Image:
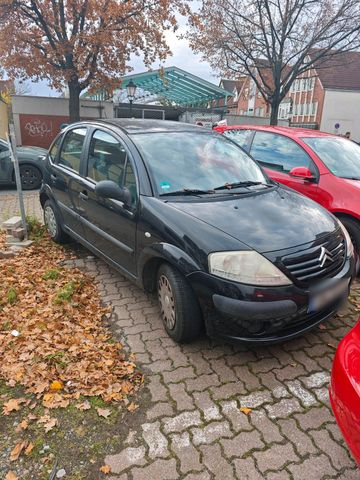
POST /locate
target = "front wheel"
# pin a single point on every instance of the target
(31, 177)
(179, 307)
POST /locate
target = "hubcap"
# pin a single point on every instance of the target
(29, 176)
(167, 303)
(50, 221)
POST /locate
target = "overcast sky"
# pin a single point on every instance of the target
(182, 57)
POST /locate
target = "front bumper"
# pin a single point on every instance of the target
(244, 313)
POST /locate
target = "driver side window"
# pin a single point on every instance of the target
(279, 153)
(108, 160)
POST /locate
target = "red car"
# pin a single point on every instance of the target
(321, 166)
(345, 389)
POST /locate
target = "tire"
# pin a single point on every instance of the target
(31, 177)
(353, 227)
(52, 223)
(180, 310)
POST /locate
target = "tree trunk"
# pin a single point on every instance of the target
(274, 112)
(74, 100)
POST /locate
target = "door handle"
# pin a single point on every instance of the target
(83, 195)
(53, 177)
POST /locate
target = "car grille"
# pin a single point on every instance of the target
(320, 261)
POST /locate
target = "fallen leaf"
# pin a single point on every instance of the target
(11, 476)
(245, 410)
(103, 412)
(29, 448)
(332, 346)
(16, 451)
(322, 326)
(48, 422)
(11, 405)
(22, 426)
(105, 469)
(132, 407)
(56, 386)
(84, 406)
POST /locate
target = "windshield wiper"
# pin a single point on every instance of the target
(247, 183)
(351, 178)
(187, 191)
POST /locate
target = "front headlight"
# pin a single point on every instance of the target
(246, 267)
(349, 244)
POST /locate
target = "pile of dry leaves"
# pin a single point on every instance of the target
(52, 337)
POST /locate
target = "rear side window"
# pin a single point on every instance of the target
(241, 137)
(71, 150)
(278, 152)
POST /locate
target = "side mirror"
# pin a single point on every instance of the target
(109, 189)
(302, 172)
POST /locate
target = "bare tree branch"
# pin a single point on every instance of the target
(274, 41)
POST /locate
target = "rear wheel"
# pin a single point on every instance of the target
(53, 225)
(353, 227)
(179, 307)
(31, 177)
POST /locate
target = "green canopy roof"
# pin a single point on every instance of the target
(177, 86)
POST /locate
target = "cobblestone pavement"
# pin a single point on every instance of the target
(194, 428)
(9, 205)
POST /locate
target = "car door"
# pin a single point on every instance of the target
(65, 178)
(278, 155)
(109, 224)
(6, 167)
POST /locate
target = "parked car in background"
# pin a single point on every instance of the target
(185, 212)
(324, 167)
(345, 389)
(31, 161)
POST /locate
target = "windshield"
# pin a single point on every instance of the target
(341, 156)
(195, 161)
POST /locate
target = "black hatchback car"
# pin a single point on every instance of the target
(187, 213)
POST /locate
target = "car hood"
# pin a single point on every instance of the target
(28, 150)
(268, 221)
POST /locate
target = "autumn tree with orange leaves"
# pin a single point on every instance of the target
(82, 43)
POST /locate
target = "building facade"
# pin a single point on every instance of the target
(325, 98)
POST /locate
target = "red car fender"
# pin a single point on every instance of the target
(345, 389)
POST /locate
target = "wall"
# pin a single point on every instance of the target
(37, 120)
(341, 107)
(4, 120)
(251, 120)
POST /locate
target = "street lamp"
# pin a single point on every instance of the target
(130, 90)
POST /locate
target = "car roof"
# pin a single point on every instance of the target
(134, 125)
(288, 131)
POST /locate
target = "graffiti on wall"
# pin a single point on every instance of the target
(39, 128)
